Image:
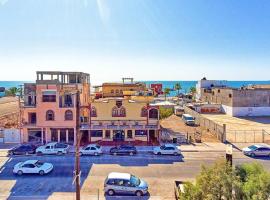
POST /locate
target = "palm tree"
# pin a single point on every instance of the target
(178, 87)
(13, 91)
(192, 90)
(166, 92)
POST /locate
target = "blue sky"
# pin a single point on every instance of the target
(144, 39)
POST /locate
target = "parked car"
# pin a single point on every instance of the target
(23, 149)
(32, 167)
(257, 150)
(123, 150)
(167, 149)
(188, 119)
(53, 148)
(91, 149)
(124, 183)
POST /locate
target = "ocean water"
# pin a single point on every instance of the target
(166, 84)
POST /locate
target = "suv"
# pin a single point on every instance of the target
(123, 150)
(124, 183)
(167, 149)
(53, 148)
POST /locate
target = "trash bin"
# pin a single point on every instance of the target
(174, 140)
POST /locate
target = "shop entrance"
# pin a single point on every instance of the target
(118, 135)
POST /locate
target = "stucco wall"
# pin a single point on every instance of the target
(246, 111)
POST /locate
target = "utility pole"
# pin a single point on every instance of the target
(20, 113)
(78, 138)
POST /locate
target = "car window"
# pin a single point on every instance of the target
(162, 147)
(119, 182)
(111, 182)
(98, 146)
(47, 147)
(93, 148)
(127, 183)
(87, 148)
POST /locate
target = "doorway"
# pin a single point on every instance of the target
(118, 135)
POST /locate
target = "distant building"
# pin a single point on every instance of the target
(49, 111)
(244, 101)
(120, 119)
(119, 89)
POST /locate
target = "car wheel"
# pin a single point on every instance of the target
(20, 173)
(159, 153)
(59, 153)
(41, 172)
(131, 153)
(138, 193)
(111, 192)
(252, 155)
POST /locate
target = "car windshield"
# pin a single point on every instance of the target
(253, 147)
(39, 163)
(162, 147)
(134, 180)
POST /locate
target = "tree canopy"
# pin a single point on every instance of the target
(223, 182)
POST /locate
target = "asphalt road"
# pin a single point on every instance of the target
(159, 171)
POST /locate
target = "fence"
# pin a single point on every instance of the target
(248, 136)
(213, 127)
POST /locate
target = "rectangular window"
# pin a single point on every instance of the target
(62, 135)
(49, 96)
(139, 133)
(96, 133)
(129, 134)
(107, 134)
(70, 136)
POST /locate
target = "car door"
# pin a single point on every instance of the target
(166, 150)
(28, 168)
(119, 186)
(128, 187)
(47, 150)
(86, 151)
(93, 150)
(259, 151)
(19, 150)
(264, 151)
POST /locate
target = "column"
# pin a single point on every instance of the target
(75, 138)
(42, 132)
(147, 135)
(66, 135)
(103, 133)
(58, 135)
(89, 133)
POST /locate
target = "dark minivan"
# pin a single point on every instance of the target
(123, 150)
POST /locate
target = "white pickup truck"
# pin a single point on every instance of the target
(53, 148)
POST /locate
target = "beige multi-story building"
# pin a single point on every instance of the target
(121, 119)
(49, 111)
(245, 101)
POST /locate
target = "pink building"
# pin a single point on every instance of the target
(49, 112)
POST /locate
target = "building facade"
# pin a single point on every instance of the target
(121, 119)
(245, 101)
(49, 111)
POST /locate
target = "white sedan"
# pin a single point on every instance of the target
(32, 167)
(91, 149)
(167, 149)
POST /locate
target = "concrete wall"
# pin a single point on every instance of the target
(246, 111)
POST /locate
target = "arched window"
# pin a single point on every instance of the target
(153, 113)
(112, 91)
(117, 91)
(144, 112)
(118, 112)
(68, 115)
(115, 112)
(50, 115)
(93, 112)
(122, 112)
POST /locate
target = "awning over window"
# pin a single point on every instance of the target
(49, 92)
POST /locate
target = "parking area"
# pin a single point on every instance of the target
(176, 126)
(159, 172)
(241, 123)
